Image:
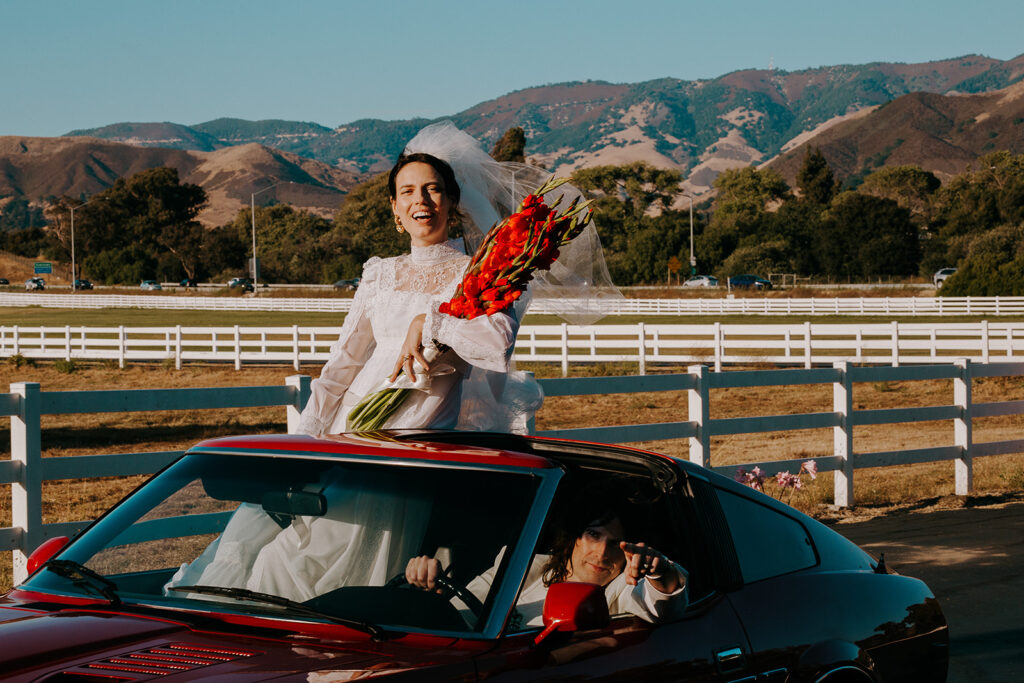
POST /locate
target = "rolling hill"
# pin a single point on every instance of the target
(698, 127)
(41, 167)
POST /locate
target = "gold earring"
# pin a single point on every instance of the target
(453, 220)
(398, 224)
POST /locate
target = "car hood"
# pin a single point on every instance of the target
(73, 643)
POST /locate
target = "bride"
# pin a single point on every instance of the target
(443, 179)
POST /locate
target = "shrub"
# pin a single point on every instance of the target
(18, 360)
(65, 366)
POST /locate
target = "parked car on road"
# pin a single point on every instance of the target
(243, 282)
(150, 285)
(350, 284)
(701, 281)
(82, 284)
(34, 283)
(284, 557)
(188, 282)
(940, 276)
(749, 282)
(4, 281)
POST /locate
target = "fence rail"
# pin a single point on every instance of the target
(802, 344)
(755, 304)
(26, 471)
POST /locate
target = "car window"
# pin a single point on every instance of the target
(631, 503)
(768, 543)
(328, 534)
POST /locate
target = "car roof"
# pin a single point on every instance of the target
(476, 448)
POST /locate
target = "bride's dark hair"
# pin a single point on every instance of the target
(451, 186)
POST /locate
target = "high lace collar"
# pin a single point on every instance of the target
(437, 253)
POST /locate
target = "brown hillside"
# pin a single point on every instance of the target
(940, 133)
(576, 103)
(40, 167)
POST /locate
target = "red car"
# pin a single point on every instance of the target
(283, 558)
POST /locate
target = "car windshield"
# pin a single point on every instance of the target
(301, 538)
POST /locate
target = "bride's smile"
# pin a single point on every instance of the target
(420, 203)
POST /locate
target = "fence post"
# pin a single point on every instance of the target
(67, 343)
(27, 492)
(963, 466)
(718, 347)
(698, 401)
(531, 422)
(295, 347)
(120, 347)
(807, 345)
(642, 347)
(238, 349)
(842, 435)
(565, 350)
(984, 341)
(177, 347)
(17, 346)
(895, 343)
(301, 385)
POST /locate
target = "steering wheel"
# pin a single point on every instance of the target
(449, 588)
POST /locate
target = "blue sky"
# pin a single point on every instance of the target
(67, 64)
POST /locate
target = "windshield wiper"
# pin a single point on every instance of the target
(81, 575)
(245, 594)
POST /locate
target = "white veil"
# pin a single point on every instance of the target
(578, 282)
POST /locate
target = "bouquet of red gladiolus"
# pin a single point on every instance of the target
(498, 274)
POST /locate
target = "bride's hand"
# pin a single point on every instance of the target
(412, 350)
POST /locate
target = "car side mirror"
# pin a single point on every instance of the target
(573, 607)
(44, 552)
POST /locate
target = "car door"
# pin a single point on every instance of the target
(707, 644)
(629, 648)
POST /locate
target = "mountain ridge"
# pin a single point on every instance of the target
(699, 127)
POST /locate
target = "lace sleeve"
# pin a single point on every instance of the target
(348, 354)
(485, 341)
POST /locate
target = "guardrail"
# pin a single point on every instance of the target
(802, 344)
(754, 304)
(27, 469)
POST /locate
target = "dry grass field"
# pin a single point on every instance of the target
(876, 491)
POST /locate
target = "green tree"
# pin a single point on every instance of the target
(150, 210)
(638, 185)
(993, 265)
(974, 202)
(816, 181)
(511, 146)
(864, 236)
(742, 215)
(911, 187)
(288, 242)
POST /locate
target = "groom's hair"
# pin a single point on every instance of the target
(451, 186)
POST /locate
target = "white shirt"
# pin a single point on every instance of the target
(642, 600)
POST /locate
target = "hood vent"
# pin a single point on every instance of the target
(157, 661)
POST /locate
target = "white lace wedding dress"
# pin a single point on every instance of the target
(391, 293)
(316, 554)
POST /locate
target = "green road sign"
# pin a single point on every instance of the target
(43, 268)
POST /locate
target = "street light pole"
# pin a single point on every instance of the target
(252, 210)
(73, 288)
(693, 256)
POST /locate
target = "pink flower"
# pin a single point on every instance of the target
(811, 468)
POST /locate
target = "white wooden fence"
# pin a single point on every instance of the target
(27, 470)
(754, 304)
(802, 344)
